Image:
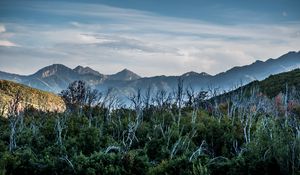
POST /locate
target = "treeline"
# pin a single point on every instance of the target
(161, 133)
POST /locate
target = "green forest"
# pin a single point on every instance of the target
(247, 131)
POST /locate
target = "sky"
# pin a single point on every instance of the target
(149, 37)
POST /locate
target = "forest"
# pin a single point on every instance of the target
(247, 131)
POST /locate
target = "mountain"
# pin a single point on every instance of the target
(258, 70)
(124, 75)
(86, 70)
(52, 78)
(35, 98)
(271, 86)
(228, 80)
(9, 76)
(57, 77)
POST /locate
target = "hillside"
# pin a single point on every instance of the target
(271, 86)
(38, 99)
(275, 84)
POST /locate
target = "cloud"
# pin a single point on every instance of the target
(7, 43)
(2, 28)
(4, 37)
(109, 39)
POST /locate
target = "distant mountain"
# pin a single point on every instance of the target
(13, 77)
(230, 79)
(35, 98)
(86, 70)
(124, 75)
(56, 77)
(257, 71)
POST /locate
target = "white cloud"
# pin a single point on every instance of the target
(4, 36)
(2, 28)
(7, 43)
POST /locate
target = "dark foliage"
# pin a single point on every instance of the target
(249, 134)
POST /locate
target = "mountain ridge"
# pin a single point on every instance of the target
(57, 77)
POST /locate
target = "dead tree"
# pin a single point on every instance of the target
(137, 101)
(200, 150)
(110, 100)
(92, 99)
(112, 148)
(162, 99)
(286, 103)
(130, 134)
(183, 143)
(248, 110)
(191, 102)
(60, 125)
(147, 98)
(179, 95)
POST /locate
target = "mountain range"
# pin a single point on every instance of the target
(56, 77)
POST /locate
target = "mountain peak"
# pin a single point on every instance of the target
(126, 71)
(85, 70)
(124, 74)
(259, 61)
(51, 70)
(205, 74)
(192, 73)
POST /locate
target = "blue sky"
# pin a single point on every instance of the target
(151, 37)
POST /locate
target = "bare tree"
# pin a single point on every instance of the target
(179, 95)
(110, 101)
(286, 103)
(162, 99)
(129, 135)
(199, 151)
(60, 125)
(248, 110)
(183, 143)
(137, 101)
(92, 99)
(147, 97)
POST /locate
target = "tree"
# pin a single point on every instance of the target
(75, 95)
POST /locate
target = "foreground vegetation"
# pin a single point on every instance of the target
(180, 133)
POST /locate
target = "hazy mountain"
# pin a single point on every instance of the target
(86, 70)
(56, 77)
(230, 79)
(124, 75)
(9, 76)
(257, 71)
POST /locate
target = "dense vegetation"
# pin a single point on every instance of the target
(161, 133)
(271, 86)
